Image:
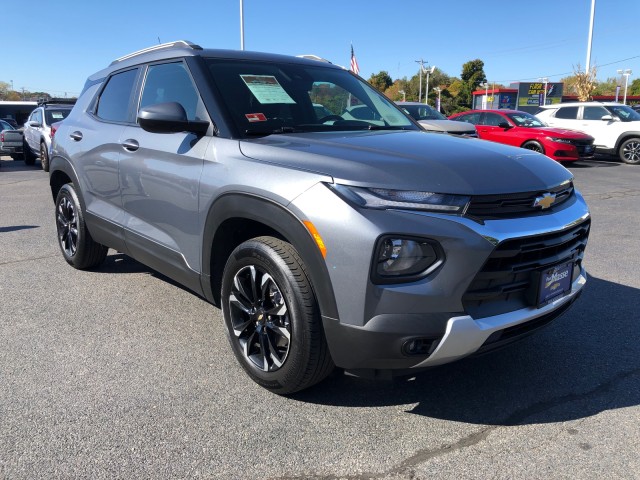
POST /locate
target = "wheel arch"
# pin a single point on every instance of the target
(60, 173)
(237, 217)
(626, 136)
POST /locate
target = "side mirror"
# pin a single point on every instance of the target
(169, 118)
(607, 118)
(505, 125)
(35, 124)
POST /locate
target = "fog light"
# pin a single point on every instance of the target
(419, 346)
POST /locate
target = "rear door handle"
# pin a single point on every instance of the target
(77, 136)
(131, 145)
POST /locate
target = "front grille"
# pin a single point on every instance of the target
(506, 281)
(581, 145)
(491, 207)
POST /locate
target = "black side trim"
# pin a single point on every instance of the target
(273, 216)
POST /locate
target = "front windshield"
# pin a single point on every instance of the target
(423, 112)
(624, 113)
(268, 97)
(524, 119)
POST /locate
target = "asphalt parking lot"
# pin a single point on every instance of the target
(120, 373)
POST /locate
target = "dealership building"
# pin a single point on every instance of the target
(528, 96)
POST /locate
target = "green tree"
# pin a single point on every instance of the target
(608, 87)
(4, 90)
(472, 76)
(634, 87)
(381, 80)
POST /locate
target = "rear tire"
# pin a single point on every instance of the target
(44, 157)
(630, 151)
(78, 248)
(533, 145)
(272, 317)
(29, 157)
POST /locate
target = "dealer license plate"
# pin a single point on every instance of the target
(554, 283)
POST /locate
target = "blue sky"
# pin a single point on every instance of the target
(57, 44)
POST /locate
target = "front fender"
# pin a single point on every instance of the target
(237, 205)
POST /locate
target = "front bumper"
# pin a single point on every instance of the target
(379, 346)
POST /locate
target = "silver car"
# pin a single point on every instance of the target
(433, 121)
(325, 239)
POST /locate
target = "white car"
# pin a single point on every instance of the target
(615, 127)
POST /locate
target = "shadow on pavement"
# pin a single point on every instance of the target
(570, 370)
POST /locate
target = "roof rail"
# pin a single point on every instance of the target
(56, 101)
(175, 44)
(313, 57)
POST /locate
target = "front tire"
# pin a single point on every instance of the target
(29, 157)
(630, 151)
(78, 248)
(44, 157)
(272, 317)
(533, 145)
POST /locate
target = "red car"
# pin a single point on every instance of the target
(521, 129)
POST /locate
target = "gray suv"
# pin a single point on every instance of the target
(326, 240)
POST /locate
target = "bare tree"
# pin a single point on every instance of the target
(585, 82)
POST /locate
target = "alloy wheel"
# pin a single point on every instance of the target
(260, 318)
(631, 152)
(67, 220)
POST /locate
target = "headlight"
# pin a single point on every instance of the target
(558, 140)
(403, 259)
(383, 198)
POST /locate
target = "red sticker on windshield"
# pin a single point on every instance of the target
(256, 117)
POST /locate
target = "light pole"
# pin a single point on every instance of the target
(438, 89)
(486, 94)
(421, 62)
(626, 72)
(544, 80)
(589, 41)
(241, 25)
(428, 71)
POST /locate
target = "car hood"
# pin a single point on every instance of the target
(410, 160)
(448, 126)
(561, 133)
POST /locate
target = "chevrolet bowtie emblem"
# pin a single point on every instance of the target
(545, 201)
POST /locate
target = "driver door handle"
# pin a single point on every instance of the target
(131, 145)
(77, 136)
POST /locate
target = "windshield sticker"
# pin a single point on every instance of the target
(256, 117)
(57, 115)
(266, 89)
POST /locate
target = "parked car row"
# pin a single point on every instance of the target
(566, 131)
(33, 140)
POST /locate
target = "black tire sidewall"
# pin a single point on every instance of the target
(257, 253)
(539, 147)
(44, 157)
(88, 253)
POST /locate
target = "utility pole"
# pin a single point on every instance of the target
(421, 62)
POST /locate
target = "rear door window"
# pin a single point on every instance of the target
(570, 113)
(115, 99)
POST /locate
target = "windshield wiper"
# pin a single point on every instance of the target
(387, 127)
(262, 133)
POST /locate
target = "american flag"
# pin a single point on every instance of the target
(354, 63)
